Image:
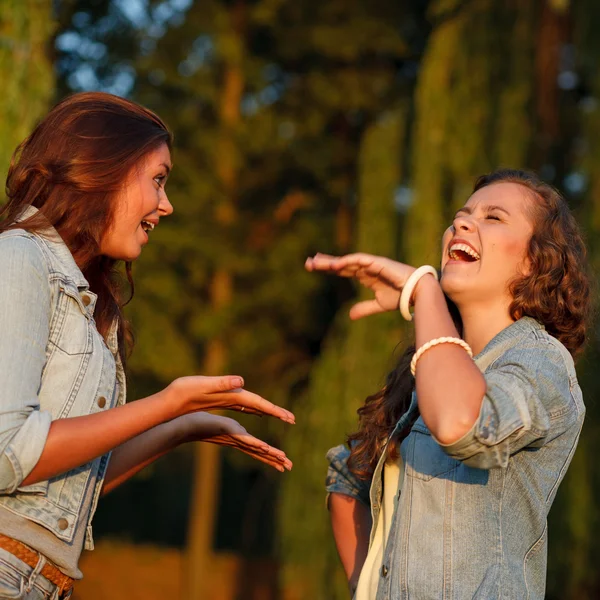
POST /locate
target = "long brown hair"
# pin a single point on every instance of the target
(70, 168)
(556, 293)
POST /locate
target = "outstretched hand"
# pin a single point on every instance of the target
(385, 277)
(216, 429)
(196, 392)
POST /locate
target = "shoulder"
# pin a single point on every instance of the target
(542, 362)
(22, 254)
(539, 351)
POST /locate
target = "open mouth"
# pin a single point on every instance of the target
(463, 253)
(147, 226)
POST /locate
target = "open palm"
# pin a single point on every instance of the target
(385, 277)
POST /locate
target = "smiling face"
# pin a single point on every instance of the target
(486, 246)
(139, 206)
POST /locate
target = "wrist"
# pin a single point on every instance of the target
(199, 426)
(424, 286)
(175, 399)
(181, 431)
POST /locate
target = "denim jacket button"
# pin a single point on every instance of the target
(63, 524)
(384, 571)
(86, 299)
(102, 402)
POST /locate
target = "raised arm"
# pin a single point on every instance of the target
(448, 410)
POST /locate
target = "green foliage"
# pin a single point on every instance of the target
(473, 110)
(26, 27)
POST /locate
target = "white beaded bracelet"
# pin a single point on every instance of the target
(409, 287)
(435, 342)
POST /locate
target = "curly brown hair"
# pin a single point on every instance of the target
(555, 292)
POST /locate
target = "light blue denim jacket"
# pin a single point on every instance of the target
(53, 364)
(470, 521)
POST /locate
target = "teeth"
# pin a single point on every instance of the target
(147, 226)
(464, 248)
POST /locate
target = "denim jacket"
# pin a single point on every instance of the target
(53, 364)
(470, 521)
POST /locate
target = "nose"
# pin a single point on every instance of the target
(463, 223)
(165, 208)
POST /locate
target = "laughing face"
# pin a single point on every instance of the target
(139, 207)
(486, 246)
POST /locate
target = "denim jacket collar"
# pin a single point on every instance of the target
(59, 249)
(508, 337)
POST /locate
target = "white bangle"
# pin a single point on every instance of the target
(409, 287)
(435, 342)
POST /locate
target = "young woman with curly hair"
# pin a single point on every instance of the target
(444, 490)
(85, 190)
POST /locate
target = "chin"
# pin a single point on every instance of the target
(454, 285)
(124, 255)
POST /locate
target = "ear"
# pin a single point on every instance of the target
(525, 268)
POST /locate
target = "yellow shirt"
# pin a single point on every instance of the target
(370, 573)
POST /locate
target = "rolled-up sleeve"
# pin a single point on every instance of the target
(341, 480)
(527, 391)
(25, 311)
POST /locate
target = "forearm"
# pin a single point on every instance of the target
(131, 457)
(75, 441)
(450, 387)
(351, 524)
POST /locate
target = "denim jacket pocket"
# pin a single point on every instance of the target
(425, 459)
(71, 330)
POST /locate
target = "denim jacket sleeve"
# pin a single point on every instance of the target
(25, 310)
(341, 480)
(528, 402)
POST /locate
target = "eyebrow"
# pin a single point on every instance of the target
(167, 167)
(489, 208)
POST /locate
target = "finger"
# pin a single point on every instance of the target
(260, 454)
(330, 267)
(251, 402)
(269, 460)
(358, 259)
(223, 383)
(365, 309)
(322, 262)
(247, 441)
(349, 271)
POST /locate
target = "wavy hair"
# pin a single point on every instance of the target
(71, 168)
(555, 292)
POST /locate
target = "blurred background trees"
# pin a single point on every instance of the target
(300, 127)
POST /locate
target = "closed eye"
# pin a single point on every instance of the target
(493, 217)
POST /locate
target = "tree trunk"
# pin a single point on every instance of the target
(203, 507)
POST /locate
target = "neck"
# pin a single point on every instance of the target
(482, 324)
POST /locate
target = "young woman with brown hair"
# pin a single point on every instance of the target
(444, 490)
(84, 190)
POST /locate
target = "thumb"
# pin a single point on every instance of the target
(364, 309)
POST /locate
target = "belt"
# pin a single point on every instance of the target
(30, 557)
